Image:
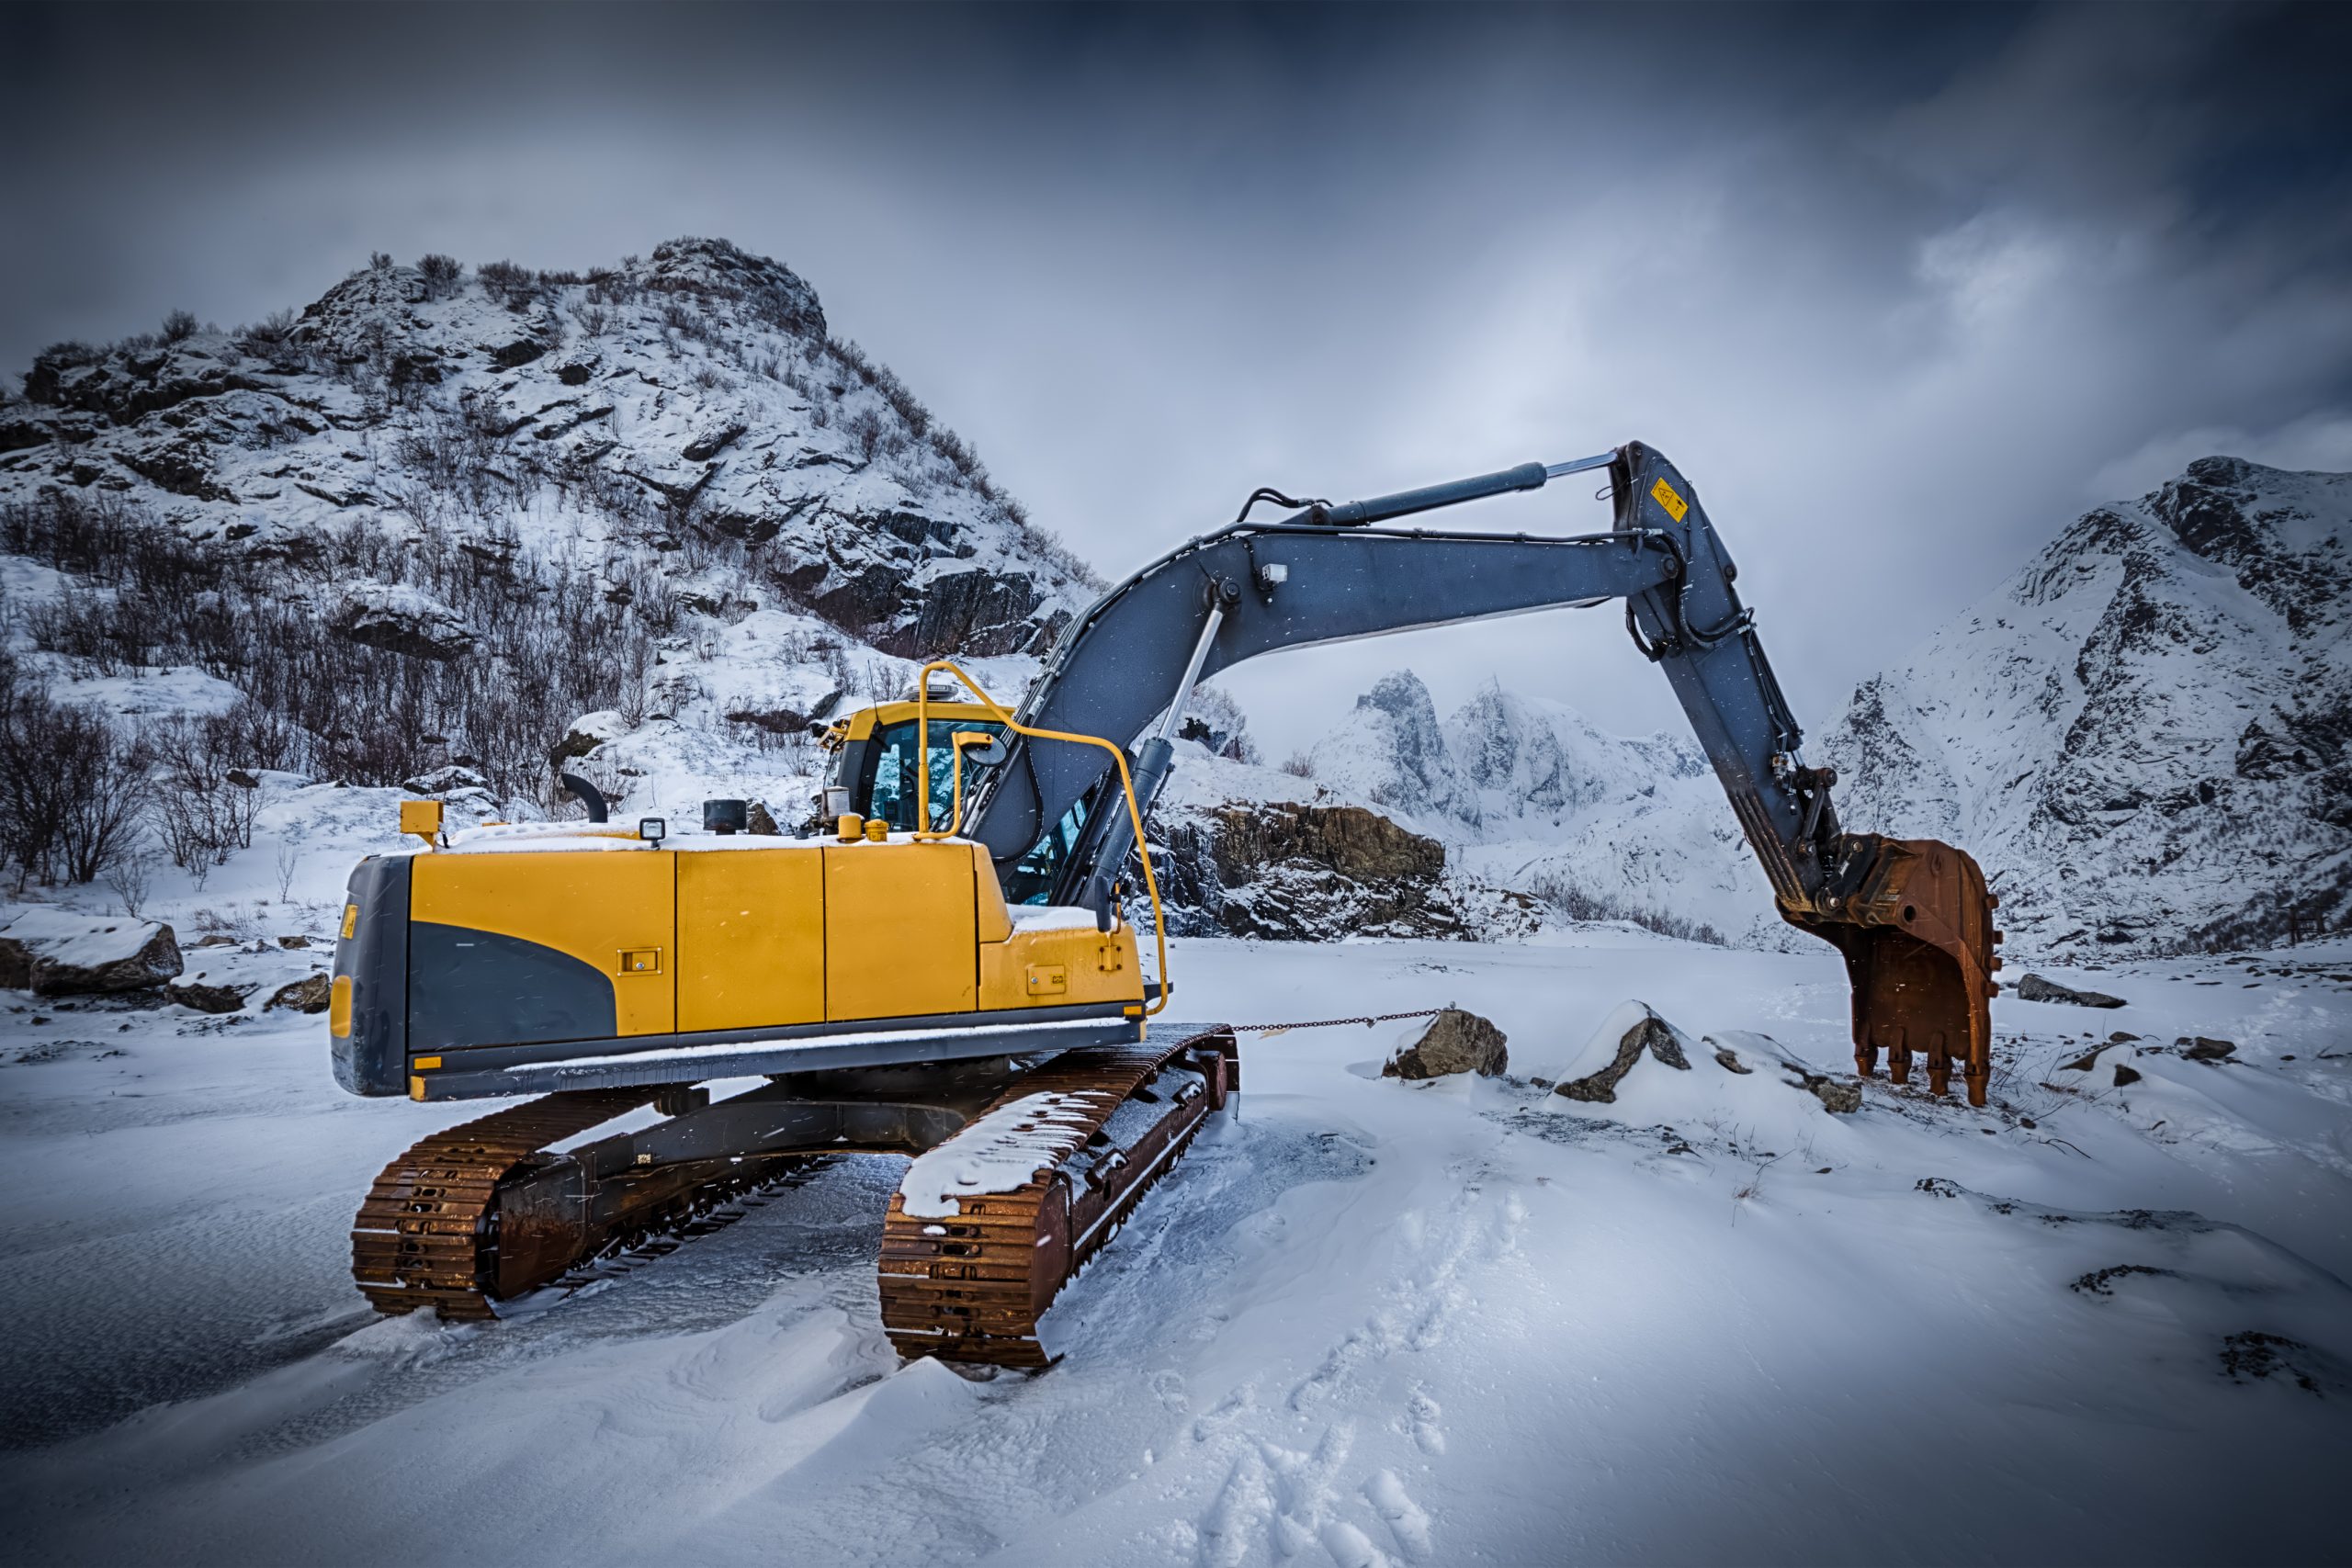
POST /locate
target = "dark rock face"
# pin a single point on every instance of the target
(2035, 989)
(1454, 1041)
(2200, 1048)
(54, 955)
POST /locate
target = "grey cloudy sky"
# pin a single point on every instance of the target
(1902, 289)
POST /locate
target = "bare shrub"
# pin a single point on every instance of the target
(440, 274)
(129, 875)
(178, 327)
(71, 788)
(1577, 902)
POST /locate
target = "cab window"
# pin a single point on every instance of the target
(891, 785)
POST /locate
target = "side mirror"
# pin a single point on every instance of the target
(980, 750)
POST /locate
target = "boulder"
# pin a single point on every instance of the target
(2202, 1049)
(2035, 989)
(53, 953)
(209, 999)
(1452, 1041)
(310, 994)
(1651, 1035)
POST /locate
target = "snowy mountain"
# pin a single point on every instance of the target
(2142, 734)
(470, 507)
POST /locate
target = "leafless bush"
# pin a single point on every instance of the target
(71, 788)
(440, 274)
(202, 814)
(1297, 766)
(129, 878)
(1579, 904)
(178, 327)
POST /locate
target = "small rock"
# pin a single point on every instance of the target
(1454, 1041)
(293, 941)
(2121, 1037)
(1728, 1059)
(2083, 1063)
(207, 998)
(217, 939)
(758, 820)
(2125, 1077)
(2202, 1049)
(310, 994)
(2035, 989)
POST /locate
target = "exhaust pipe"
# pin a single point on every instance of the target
(587, 793)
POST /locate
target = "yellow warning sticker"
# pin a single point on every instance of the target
(1662, 493)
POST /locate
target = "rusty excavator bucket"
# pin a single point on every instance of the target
(1915, 921)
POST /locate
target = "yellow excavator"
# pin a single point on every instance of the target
(942, 965)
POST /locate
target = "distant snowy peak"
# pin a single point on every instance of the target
(696, 391)
(2143, 734)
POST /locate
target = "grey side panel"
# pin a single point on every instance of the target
(373, 1058)
(1118, 666)
(472, 988)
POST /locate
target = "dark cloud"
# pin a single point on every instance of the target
(1904, 288)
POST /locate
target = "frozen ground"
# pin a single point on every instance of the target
(1366, 1322)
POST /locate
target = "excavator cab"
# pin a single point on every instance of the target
(872, 775)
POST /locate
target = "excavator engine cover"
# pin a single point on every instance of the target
(1915, 921)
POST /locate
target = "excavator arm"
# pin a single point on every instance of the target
(1911, 917)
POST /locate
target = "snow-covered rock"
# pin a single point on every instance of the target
(399, 619)
(60, 953)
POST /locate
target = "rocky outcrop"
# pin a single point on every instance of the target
(53, 953)
(399, 619)
(693, 391)
(1300, 872)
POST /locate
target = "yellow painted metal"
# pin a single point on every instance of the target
(591, 904)
(415, 1086)
(1095, 967)
(421, 817)
(426, 1064)
(994, 920)
(1048, 979)
(350, 920)
(639, 961)
(1119, 755)
(339, 1007)
(900, 930)
(751, 938)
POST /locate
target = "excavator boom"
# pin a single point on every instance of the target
(1911, 917)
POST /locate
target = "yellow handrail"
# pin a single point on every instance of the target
(922, 792)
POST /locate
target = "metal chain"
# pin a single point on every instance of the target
(1329, 1023)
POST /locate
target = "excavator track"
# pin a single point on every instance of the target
(426, 1237)
(1108, 1121)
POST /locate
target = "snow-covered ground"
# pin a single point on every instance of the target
(1366, 1321)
